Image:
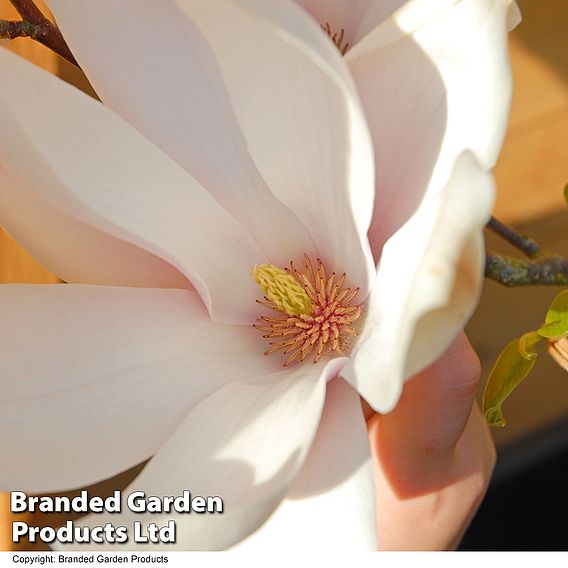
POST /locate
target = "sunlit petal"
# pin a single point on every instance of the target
(244, 455)
(443, 87)
(428, 283)
(94, 379)
(331, 504)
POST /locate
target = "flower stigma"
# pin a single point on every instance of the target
(314, 312)
(338, 38)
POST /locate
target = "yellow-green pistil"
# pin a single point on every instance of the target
(314, 311)
(282, 289)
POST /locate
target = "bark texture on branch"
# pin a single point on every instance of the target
(510, 271)
(43, 30)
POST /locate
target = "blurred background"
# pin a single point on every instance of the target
(527, 504)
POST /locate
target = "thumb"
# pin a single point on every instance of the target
(425, 427)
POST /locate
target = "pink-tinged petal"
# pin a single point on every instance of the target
(429, 96)
(170, 89)
(67, 151)
(331, 505)
(302, 120)
(404, 98)
(346, 15)
(245, 443)
(427, 286)
(94, 379)
(75, 251)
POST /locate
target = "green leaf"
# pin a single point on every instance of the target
(556, 322)
(512, 366)
(566, 193)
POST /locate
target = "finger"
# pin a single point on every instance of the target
(435, 405)
(415, 443)
(436, 498)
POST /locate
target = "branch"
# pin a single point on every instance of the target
(45, 32)
(13, 29)
(509, 271)
(28, 10)
(525, 244)
(538, 269)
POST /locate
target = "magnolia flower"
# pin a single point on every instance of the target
(235, 135)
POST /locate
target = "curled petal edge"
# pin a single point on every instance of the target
(428, 284)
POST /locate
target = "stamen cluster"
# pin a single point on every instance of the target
(338, 38)
(322, 330)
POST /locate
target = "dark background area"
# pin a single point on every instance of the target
(526, 507)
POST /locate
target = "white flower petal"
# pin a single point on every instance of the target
(245, 443)
(429, 96)
(68, 151)
(302, 120)
(428, 283)
(94, 378)
(150, 63)
(514, 15)
(469, 47)
(385, 21)
(361, 17)
(417, 11)
(331, 505)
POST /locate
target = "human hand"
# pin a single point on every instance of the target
(433, 456)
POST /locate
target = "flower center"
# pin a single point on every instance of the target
(338, 38)
(314, 312)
